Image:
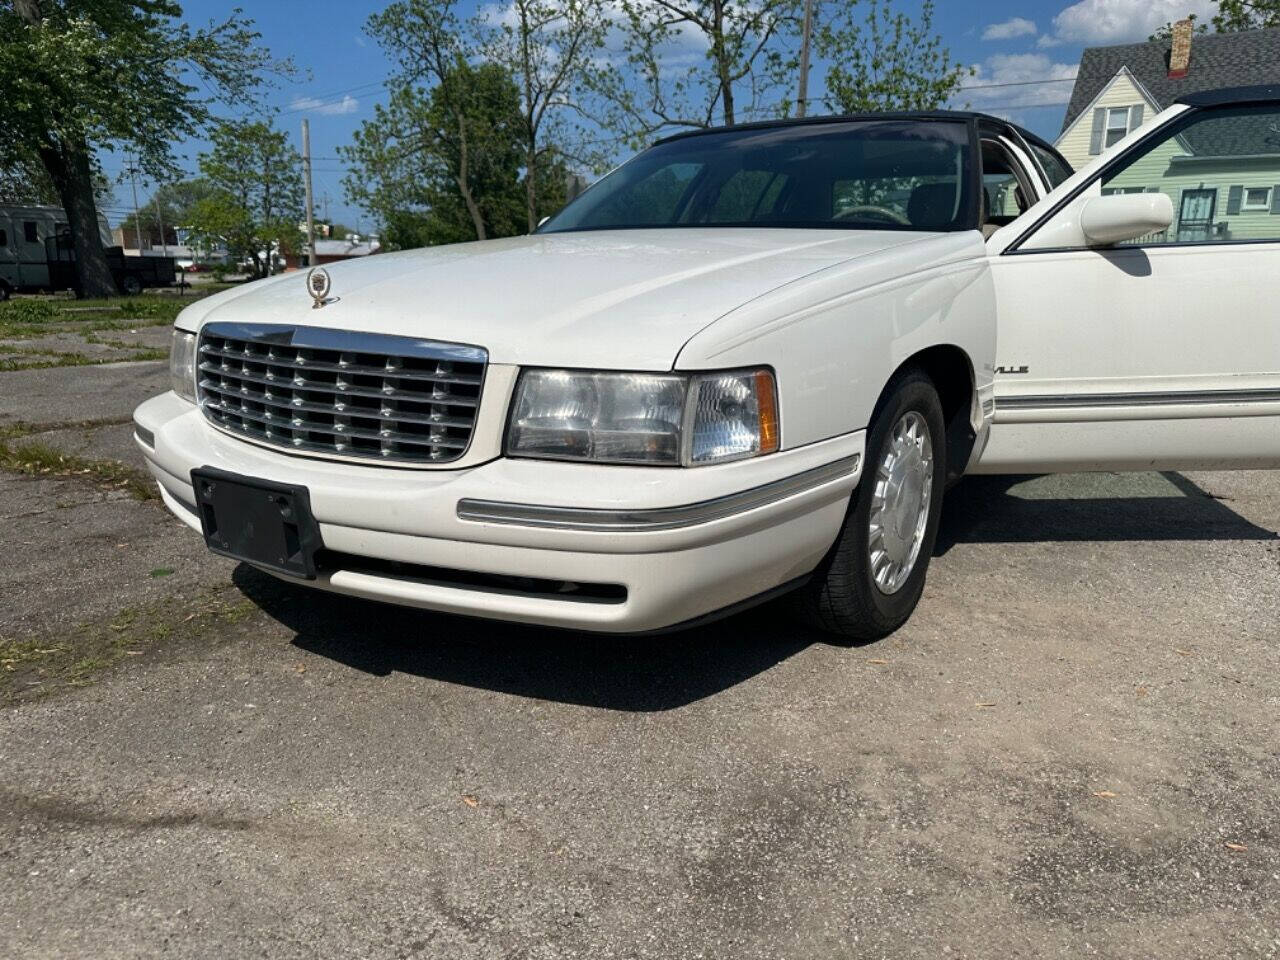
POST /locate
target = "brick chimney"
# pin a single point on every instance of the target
(1180, 52)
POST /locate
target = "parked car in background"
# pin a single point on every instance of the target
(748, 362)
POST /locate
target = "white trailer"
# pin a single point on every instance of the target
(24, 257)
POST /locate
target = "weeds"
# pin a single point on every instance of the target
(31, 668)
(37, 459)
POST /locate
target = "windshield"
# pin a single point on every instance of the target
(859, 174)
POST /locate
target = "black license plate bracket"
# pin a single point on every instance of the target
(261, 522)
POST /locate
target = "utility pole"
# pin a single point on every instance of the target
(164, 244)
(311, 214)
(806, 33)
(137, 219)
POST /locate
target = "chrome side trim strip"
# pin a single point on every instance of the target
(1140, 399)
(659, 518)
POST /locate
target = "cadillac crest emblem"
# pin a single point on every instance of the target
(319, 285)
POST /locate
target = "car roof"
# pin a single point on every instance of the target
(1230, 95)
(964, 116)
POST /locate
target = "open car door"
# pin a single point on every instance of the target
(1138, 304)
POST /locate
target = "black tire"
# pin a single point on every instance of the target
(843, 598)
(5, 292)
(130, 285)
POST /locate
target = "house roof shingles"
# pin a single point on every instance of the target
(1217, 60)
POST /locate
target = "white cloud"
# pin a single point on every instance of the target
(1009, 29)
(348, 104)
(1101, 22)
(1015, 80)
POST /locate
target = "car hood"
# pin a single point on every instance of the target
(623, 299)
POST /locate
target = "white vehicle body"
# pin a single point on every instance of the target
(1049, 354)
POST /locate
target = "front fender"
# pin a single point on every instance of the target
(835, 338)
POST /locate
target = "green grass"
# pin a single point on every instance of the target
(36, 316)
(21, 360)
(35, 458)
(159, 572)
(14, 431)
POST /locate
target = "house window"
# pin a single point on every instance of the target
(1257, 198)
(1117, 125)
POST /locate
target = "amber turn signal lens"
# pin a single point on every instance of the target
(767, 405)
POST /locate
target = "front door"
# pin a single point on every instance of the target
(1195, 215)
(1163, 352)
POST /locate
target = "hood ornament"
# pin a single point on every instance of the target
(319, 285)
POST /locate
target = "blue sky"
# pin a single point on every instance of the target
(1025, 52)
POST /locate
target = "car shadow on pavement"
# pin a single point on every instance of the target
(1092, 506)
(642, 674)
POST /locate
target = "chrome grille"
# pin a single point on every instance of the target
(345, 394)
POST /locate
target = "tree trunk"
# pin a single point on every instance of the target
(68, 167)
(464, 185)
(720, 52)
(531, 184)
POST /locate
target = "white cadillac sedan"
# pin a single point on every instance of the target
(746, 363)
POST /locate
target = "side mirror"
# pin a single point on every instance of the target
(1125, 216)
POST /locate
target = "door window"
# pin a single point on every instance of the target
(1221, 170)
(1056, 169)
(4, 238)
(30, 232)
(1005, 185)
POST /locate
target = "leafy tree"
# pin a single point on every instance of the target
(436, 82)
(175, 203)
(80, 76)
(1236, 15)
(888, 61)
(442, 165)
(750, 53)
(547, 45)
(1232, 17)
(255, 199)
(24, 180)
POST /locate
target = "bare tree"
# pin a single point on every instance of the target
(548, 46)
(686, 63)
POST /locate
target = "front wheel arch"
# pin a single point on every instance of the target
(951, 370)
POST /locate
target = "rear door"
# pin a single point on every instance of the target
(1161, 352)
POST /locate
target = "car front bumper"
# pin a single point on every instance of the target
(650, 547)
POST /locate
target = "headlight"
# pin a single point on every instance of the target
(182, 365)
(646, 418)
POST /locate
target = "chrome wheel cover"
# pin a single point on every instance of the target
(900, 503)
